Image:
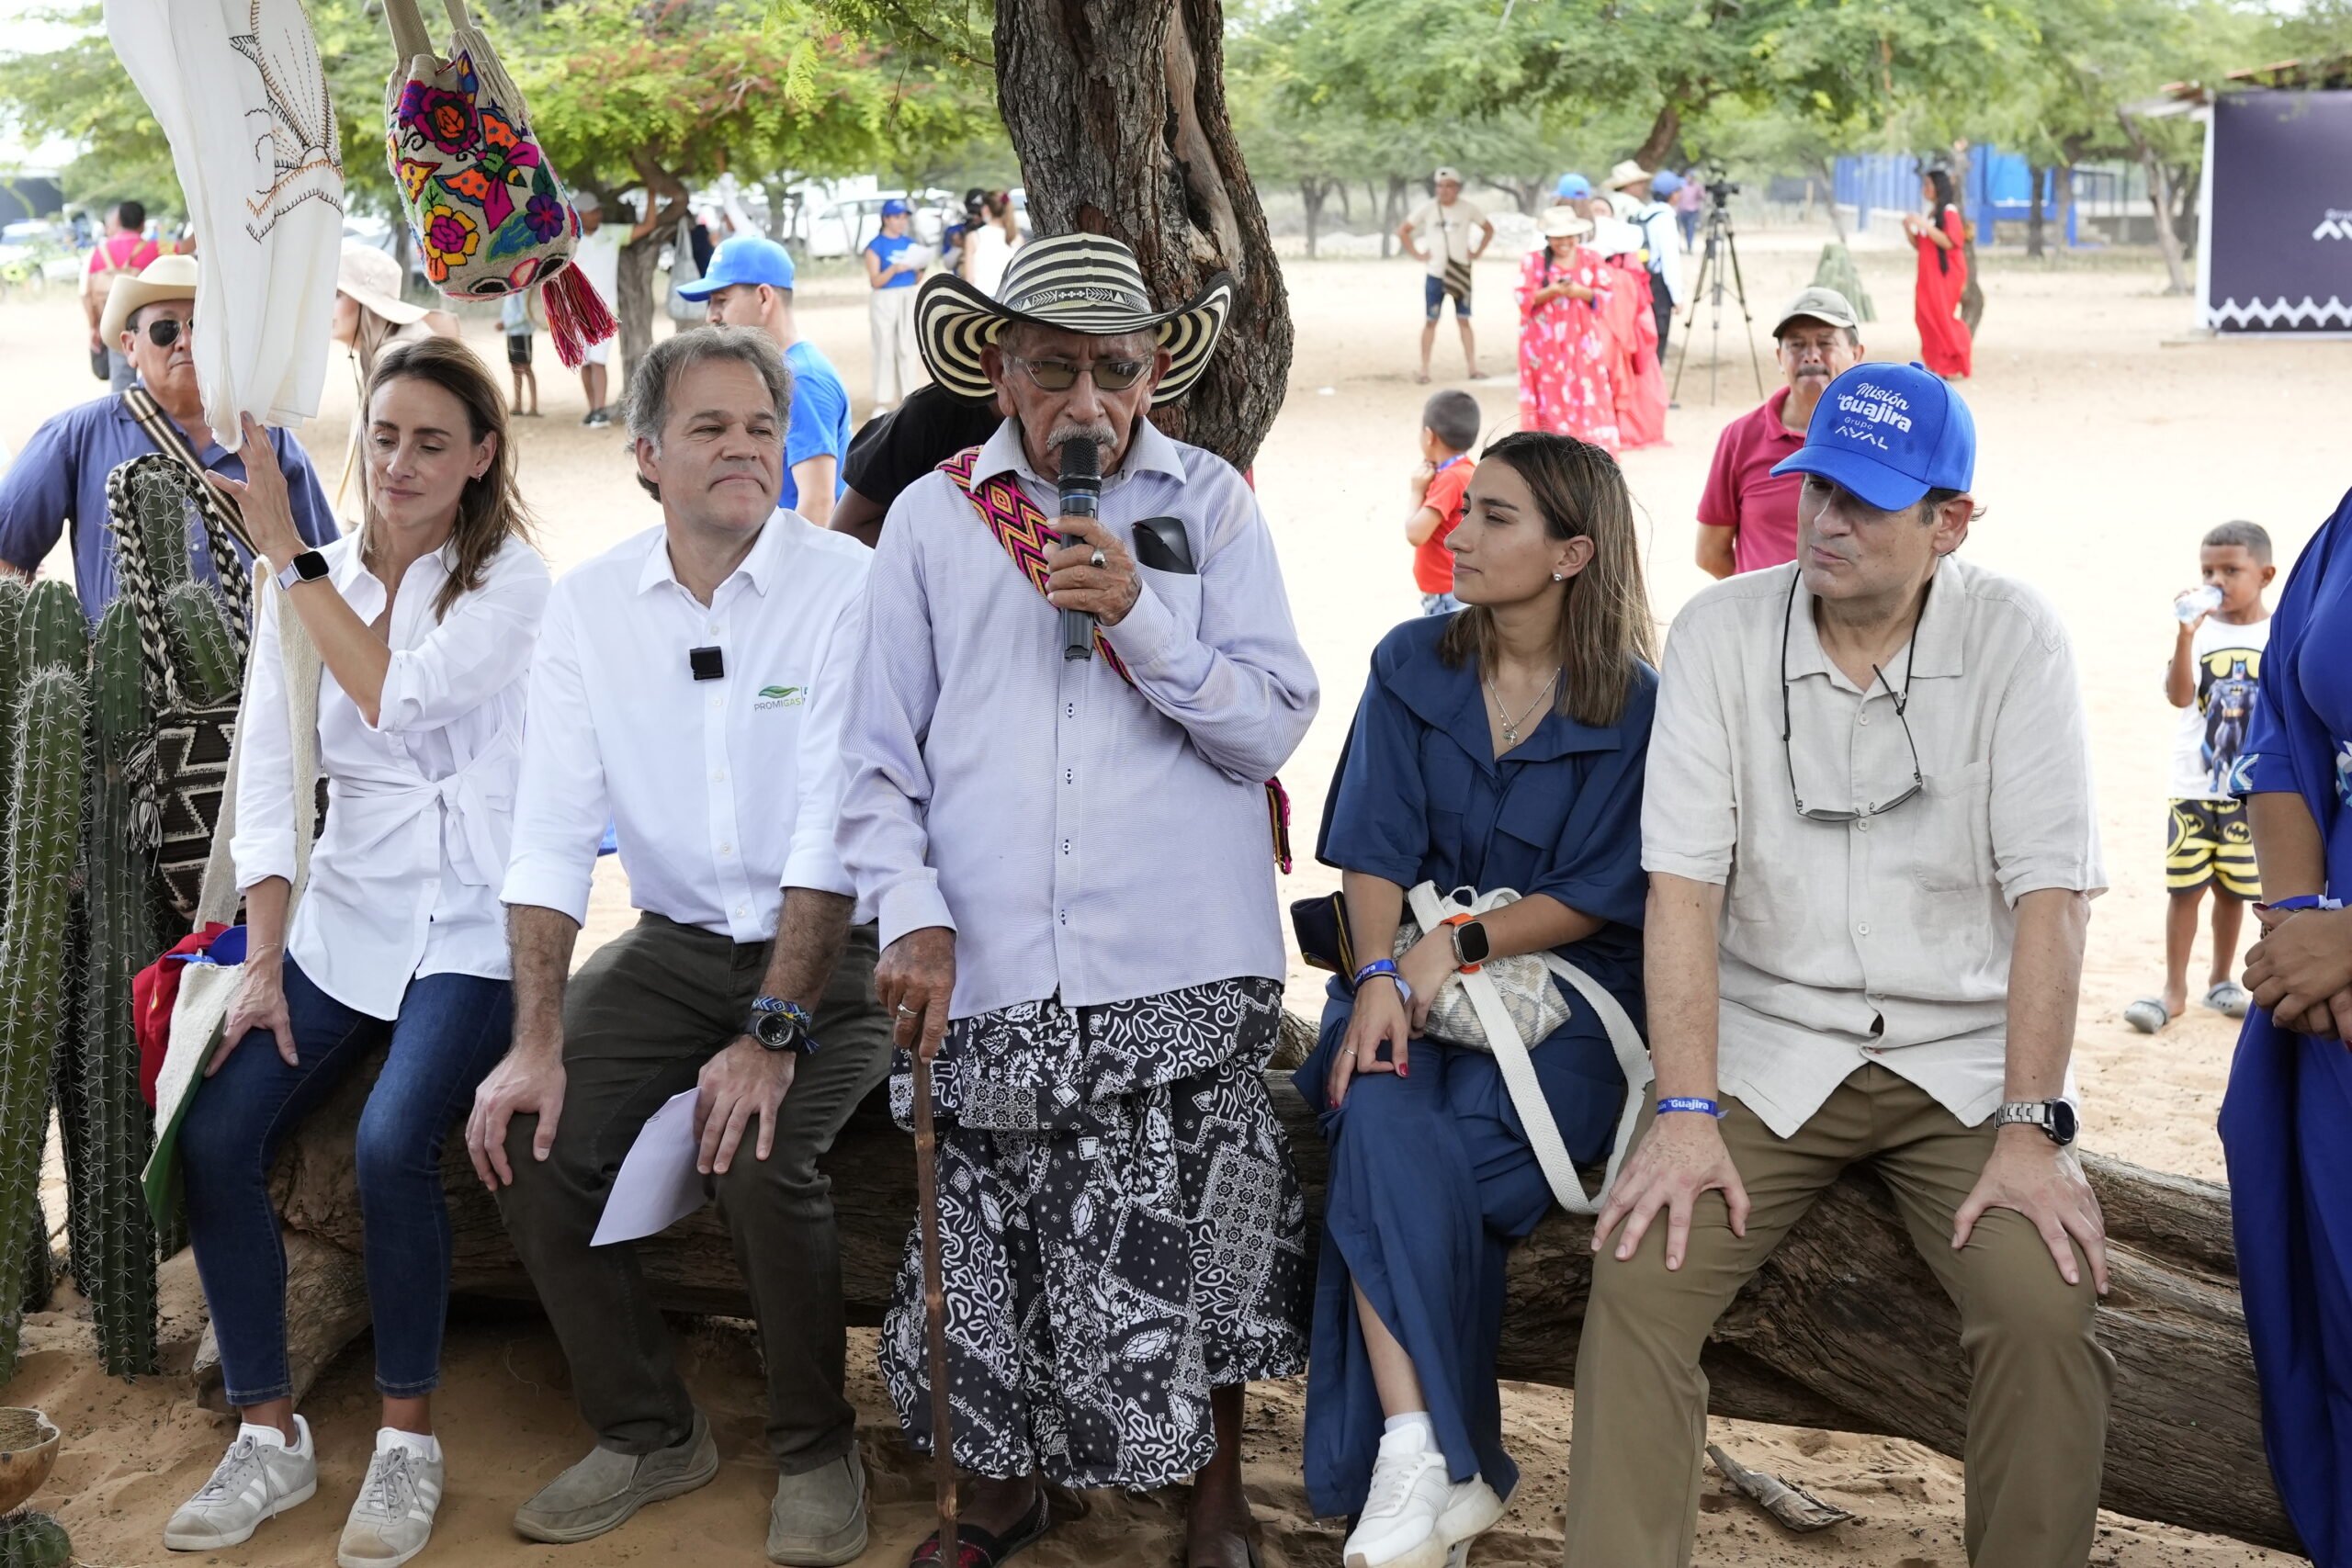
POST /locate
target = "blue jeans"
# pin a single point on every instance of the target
(451, 1031)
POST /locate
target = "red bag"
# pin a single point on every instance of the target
(153, 992)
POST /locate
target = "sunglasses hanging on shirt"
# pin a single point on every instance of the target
(1901, 703)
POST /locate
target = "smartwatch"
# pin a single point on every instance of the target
(2055, 1118)
(780, 1025)
(308, 567)
(1471, 945)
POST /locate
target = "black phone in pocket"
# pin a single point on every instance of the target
(1161, 545)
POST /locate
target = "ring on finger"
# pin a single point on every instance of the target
(906, 1011)
(1098, 560)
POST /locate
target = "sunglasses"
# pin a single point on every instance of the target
(1060, 376)
(165, 332)
(1901, 704)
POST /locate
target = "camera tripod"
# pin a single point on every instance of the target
(1722, 246)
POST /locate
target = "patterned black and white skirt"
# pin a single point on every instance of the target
(1121, 1231)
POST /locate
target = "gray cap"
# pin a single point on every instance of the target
(587, 201)
(1821, 305)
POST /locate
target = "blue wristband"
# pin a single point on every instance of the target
(1701, 1107)
(1385, 967)
(2301, 901)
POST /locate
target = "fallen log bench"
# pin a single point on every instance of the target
(1844, 1330)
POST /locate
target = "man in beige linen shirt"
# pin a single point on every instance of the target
(1870, 835)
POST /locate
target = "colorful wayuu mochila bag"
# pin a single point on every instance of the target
(489, 216)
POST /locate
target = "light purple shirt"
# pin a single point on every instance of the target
(1082, 839)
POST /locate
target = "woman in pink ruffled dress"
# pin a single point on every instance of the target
(1564, 385)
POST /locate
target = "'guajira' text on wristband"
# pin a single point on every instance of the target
(1701, 1107)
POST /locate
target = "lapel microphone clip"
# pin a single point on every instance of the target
(707, 664)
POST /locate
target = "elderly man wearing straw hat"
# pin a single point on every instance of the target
(1064, 835)
(60, 478)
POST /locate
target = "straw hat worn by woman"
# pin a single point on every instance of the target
(1562, 358)
(370, 316)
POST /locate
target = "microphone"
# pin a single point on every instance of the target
(1081, 484)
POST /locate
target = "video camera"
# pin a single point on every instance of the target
(1721, 186)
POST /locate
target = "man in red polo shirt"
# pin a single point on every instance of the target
(1747, 519)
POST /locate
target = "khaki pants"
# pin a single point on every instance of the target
(2037, 1409)
(898, 360)
(640, 1019)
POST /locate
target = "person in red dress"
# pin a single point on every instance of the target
(1564, 385)
(1944, 344)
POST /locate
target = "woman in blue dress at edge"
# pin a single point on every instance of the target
(1499, 747)
(2290, 1086)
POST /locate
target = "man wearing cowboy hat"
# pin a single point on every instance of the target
(59, 480)
(1070, 863)
(1631, 194)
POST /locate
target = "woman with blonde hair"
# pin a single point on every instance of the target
(1501, 747)
(425, 622)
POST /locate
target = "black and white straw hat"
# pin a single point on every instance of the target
(1079, 283)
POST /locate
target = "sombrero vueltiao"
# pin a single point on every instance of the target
(1078, 283)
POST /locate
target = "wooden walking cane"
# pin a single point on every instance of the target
(935, 1312)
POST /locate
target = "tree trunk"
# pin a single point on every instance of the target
(1393, 213)
(2065, 206)
(2159, 198)
(1660, 141)
(1829, 198)
(2033, 175)
(1972, 294)
(1119, 117)
(1312, 190)
(1845, 1330)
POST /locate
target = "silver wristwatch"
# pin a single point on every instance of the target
(2055, 1118)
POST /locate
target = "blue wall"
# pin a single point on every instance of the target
(1999, 188)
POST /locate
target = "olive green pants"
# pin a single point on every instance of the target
(2037, 1408)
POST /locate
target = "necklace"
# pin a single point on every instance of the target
(1511, 725)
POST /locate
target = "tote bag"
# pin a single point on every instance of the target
(1504, 1005)
(683, 271)
(489, 216)
(207, 988)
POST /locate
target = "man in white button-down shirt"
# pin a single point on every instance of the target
(1871, 848)
(691, 684)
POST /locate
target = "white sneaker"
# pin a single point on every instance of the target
(1399, 1527)
(257, 1479)
(393, 1518)
(1471, 1510)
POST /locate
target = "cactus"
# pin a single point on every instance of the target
(43, 839)
(31, 1539)
(164, 512)
(109, 1129)
(117, 691)
(13, 594)
(204, 646)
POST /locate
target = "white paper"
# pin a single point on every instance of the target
(658, 1184)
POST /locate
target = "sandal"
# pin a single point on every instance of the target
(2147, 1015)
(985, 1548)
(2228, 998)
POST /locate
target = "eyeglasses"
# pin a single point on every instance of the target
(166, 331)
(1902, 703)
(1060, 375)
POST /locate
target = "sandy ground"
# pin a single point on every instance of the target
(2105, 455)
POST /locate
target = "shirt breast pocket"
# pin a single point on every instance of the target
(1180, 592)
(1954, 834)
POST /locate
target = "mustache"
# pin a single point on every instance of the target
(1097, 431)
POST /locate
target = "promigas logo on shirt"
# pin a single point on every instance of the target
(780, 698)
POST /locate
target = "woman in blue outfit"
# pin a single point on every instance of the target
(2290, 1088)
(1499, 747)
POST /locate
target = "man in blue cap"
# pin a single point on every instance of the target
(750, 285)
(1871, 848)
(894, 261)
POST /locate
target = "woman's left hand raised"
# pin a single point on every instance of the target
(261, 497)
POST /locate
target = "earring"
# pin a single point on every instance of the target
(1559, 577)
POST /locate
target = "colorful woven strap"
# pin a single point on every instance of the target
(1025, 533)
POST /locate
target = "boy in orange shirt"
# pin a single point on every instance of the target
(1450, 423)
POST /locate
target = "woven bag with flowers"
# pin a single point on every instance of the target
(489, 216)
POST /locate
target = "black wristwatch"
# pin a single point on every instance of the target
(308, 567)
(1471, 945)
(779, 1025)
(2055, 1118)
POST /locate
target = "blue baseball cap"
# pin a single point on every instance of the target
(1574, 185)
(740, 261)
(894, 208)
(1890, 434)
(1666, 182)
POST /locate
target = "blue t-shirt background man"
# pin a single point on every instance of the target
(750, 285)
